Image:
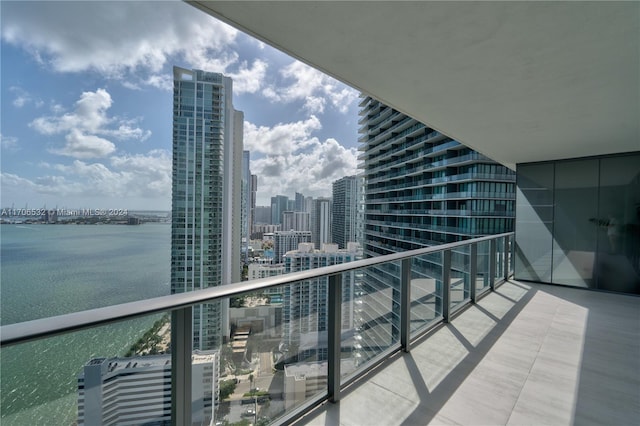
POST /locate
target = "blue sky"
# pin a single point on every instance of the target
(86, 105)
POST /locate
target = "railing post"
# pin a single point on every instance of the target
(473, 271)
(492, 264)
(446, 284)
(506, 257)
(334, 326)
(405, 305)
(181, 347)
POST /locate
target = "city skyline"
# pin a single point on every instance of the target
(86, 123)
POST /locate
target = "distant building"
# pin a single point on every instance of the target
(260, 230)
(284, 241)
(321, 221)
(137, 390)
(304, 380)
(296, 221)
(299, 202)
(262, 215)
(247, 211)
(265, 319)
(264, 270)
(344, 211)
(279, 204)
(252, 205)
(206, 229)
(305, 303)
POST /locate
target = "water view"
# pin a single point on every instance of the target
(50, 270)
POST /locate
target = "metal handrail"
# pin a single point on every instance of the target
(47, 327)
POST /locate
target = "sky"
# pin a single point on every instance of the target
(86, 105)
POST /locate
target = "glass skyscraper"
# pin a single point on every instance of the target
(422, 188)
(344, 211)
(206, 204)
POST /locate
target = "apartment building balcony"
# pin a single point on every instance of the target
(442, 335)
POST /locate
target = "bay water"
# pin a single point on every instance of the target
(48, 270)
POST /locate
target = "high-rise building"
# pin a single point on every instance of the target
(252, 205)
(206, 195)
(422, 189)
(299, 202)
(247, 212)
(137, 390)
(308, 204)
(284, 241)
(344, 211)
(360, 206)
(321, 221)
(279, 204)
(262, 215)
(305, 304)
(296, 221)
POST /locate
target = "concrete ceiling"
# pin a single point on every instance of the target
(517, 81)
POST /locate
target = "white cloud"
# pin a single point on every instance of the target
(23, 97)
(312, 87)
(127, 181)
(311, 172)
(281, 138)
(9, 143)
(87, 126)
(129, 41)
(287, 158)
(249, 80)
(80, 145)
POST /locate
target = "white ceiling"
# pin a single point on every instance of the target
(517, 81)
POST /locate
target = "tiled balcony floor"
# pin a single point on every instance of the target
(526, 354)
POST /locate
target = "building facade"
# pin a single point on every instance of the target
(305, 311)
(321, 221)
(279, 205)
(344, 211)
(248, 194)
(422, 188)
(284, 241)
(137, 390)
(206, 227)
(296, 221)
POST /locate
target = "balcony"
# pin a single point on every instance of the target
(440, 335)
(524, 354)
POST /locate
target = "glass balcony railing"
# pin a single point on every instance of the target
(335, 324)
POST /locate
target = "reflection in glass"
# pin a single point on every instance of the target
(426, 291)
(574, 236)
(459, 276)
(534, 222)
(618, 224)
(44, 381)
(482, 266)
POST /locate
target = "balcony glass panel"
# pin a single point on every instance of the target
(426, 291)
(374, 323)
(459, 276)
(510, 254)
(83, 376)
(500, 259)
(279, 346)
(482, 265)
